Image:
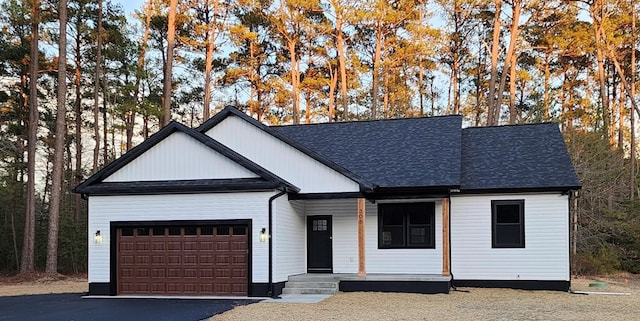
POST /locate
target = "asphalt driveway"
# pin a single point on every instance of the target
(70, 306)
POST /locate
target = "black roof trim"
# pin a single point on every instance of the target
(382, 193)
(230, 110)
(180, 186)
(561, 189)
(415, 189)
(204, 139)
(324, 196)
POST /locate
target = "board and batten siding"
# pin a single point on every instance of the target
(345, 241)
(179, 157)
(299, 169)
(546, 252)
(216, 206)
(289, 246)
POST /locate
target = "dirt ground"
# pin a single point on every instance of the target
(42, 284)
(467, 303)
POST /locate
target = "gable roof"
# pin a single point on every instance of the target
(520, 157)
(365, 185)
(412, 155)
(94, 184)
(396, 153)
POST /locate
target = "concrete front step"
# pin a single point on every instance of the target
(301, 284)
(313, 278)
(311, 284)
(309, 290)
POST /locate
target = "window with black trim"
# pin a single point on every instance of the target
(406, 225)
(507, 224)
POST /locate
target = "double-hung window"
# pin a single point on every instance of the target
(507, 224)
(406, 225)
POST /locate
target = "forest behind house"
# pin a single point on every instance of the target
(81, 83)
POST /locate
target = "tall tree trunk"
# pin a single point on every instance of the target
(455, 64)
(166, 90)
(211, 34)
(105, 123)
(375, 76)
(96, 91)
(255, 105)
(433, 97)
(495, 51)
(621, 116)
(295, 80)
(455, 74)
(632, 130)
(131, 116)
(563, 100)
(510, 58)
(58, 147)
(620, 72)
(343, 68)
(27, 264)
(421, 87)
(479, 78)
(596, 14)
(447, 110)
(77, 80)
(547, 76)
(512, 93)
(332, 91)
(388, 113)
(307, 112)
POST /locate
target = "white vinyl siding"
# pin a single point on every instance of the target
(546, 252)
(280, 158)
(219, 206)
(179, 157)
(345, 241)
(289, 245)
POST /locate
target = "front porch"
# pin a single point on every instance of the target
(330, 283)
(322, 246)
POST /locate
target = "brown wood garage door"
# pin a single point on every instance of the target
(182, 260)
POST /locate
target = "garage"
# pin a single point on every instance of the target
(182, 260)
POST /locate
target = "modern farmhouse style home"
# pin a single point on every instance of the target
(238, 208)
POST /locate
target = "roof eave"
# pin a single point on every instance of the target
(511, 190)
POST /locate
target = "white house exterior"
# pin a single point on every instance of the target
(236, 208)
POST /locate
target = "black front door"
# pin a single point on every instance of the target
(319, 252)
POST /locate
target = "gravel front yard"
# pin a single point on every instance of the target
(476, 304)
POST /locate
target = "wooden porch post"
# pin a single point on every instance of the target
(361, 258)
(446, 252)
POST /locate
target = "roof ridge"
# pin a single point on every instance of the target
(367, 121)
(512, 125)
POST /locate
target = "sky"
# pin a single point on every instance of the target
(130, 5)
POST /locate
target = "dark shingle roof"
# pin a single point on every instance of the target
(516, 157)
(412, 152)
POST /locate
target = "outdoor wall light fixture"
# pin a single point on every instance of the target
(264, 237)
(97, 238)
